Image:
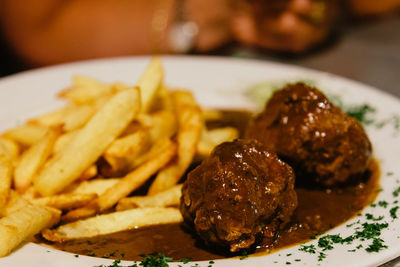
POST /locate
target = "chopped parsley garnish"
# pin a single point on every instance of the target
(371, 217)
(321, 256)
(376, 246)
(393, 212)
(383, 204)
(152, 260)
(365, 231)
(396, 192)
(308, 248)
(370, 230)
(361, 113)
(244, 255)
(185, 260)
(156, 260)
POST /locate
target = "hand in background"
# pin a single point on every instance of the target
(289, 26)
(373, 7)
(213, 18)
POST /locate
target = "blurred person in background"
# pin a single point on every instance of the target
(56, 31)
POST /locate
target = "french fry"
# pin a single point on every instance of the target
(77, 116)
(89, 173)
(211, 114)
(170, 197)
(26, 135)
(95, 186)
(22, 222)
(63, 140)
(125, 149)
(85, 89)
(150, 82)
(86, 147)
(30, 193)
(164, 124)
(127, 184)
(32, 159)
(136, 178)
(190, 125)
(14, 203)
(161, 125)
(113, 222)
(50, 119)
(9, 148)
(212, 138)
(5, 179)
(65, 201)
(165, 179)
(70, 118)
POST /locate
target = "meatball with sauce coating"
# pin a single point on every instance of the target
(239, 196)
(323, 144)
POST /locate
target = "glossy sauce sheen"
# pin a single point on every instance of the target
(318, 211)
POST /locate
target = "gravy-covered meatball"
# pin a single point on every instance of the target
(322, 144)
(240, 195)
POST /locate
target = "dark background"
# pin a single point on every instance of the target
(366, 52)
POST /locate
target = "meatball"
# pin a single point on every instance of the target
(239, 196)
(322, 144)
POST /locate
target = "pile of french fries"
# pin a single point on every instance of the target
(73, 173)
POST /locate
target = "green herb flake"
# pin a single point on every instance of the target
(390, 173)
(308, 248)
(376, 246)
(383, 204)
(321, 256)
(76, 256)
(396, 192)
(393, 212)
(185, 260)
(244, 255)
(372, 218)
(361, 113)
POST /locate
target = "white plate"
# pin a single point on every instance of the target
(221, 83)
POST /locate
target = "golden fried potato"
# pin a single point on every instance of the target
(190, 125)
(150, 82)
(170, 197)
(26, 135)
(113, 222)
(90, 142)
(32, 160)
(65, 201)
(23, 221)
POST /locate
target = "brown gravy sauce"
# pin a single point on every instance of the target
(318, 211)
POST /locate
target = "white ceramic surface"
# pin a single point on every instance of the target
(219, 83)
